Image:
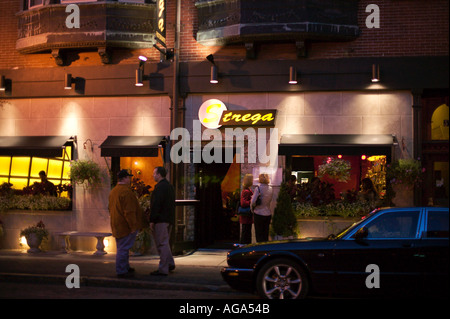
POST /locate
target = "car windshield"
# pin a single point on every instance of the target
(352, 226)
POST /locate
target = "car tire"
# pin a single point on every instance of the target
(282, 279)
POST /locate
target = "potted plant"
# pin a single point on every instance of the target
(85, 172)
(402, 176)
(284, 221)
(335, 168)
(34, 236)
(142, 242)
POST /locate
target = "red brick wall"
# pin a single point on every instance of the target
(408, 28)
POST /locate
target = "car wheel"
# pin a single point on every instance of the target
(282, 279)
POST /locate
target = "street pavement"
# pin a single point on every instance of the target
(195, 271)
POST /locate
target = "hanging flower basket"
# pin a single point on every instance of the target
(337, 169)
(87, 173)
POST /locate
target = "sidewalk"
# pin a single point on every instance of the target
(198, 271)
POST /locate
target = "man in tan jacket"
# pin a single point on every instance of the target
(127, 219)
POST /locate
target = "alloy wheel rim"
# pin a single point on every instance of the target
(282, 282)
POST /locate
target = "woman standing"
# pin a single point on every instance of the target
(246, 220)
(262, 212)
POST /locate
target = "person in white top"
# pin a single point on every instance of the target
(262, 213)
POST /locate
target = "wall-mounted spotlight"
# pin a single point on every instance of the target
(68, 81)
(140, 71)
(2, 83)
(375, 73)
(139, 77)
(214, 78)
(292, 75)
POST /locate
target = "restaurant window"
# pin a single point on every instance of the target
(439, 123)
(23, 171)
(142, 168)
(306, 168)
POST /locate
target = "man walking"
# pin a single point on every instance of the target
(127, 219)
(162, 217)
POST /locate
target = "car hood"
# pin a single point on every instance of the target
(280, 244)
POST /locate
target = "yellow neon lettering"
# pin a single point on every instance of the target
(212, 113)
(236, 117)
(246, 117)
(268, 117)
(255, 118)
(226, 118)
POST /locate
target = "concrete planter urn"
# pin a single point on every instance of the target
(34, 236)
(404, 196)
(34, 241)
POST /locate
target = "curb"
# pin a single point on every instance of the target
(112, 282)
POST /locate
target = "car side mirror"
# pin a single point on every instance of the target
(361, 233)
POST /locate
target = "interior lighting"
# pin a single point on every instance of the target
(363, 157)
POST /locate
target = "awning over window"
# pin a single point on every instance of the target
(39, 146)
(305, 144)
(136, 146)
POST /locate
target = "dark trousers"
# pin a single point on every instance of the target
(246, 234)
(262, 224)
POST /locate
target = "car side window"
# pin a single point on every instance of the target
(437, 224)
(394, 225)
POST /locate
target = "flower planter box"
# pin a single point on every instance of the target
(323, 226)
(16, 220)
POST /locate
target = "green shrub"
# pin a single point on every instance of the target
(284, 222)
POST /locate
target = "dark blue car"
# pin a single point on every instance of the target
(390, 252)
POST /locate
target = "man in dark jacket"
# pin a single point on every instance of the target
(162, 217)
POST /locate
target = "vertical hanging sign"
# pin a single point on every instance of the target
(161, 22)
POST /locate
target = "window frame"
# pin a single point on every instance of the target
(425, 226)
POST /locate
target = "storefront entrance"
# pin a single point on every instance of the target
(217, 186)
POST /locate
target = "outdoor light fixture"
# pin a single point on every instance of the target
(139, 77)
(68, 81)
(2, 83)
(140, 71)
(213, 79)
(292, 75)
(214, 75)
(375, 73)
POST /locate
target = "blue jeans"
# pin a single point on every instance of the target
(124, 244)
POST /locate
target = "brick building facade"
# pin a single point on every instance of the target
(254, 44)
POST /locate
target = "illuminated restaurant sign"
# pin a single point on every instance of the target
(161, 22)
(213, 114)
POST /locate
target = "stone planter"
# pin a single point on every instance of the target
(34, 242)
(323, 226)
(404, 196)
